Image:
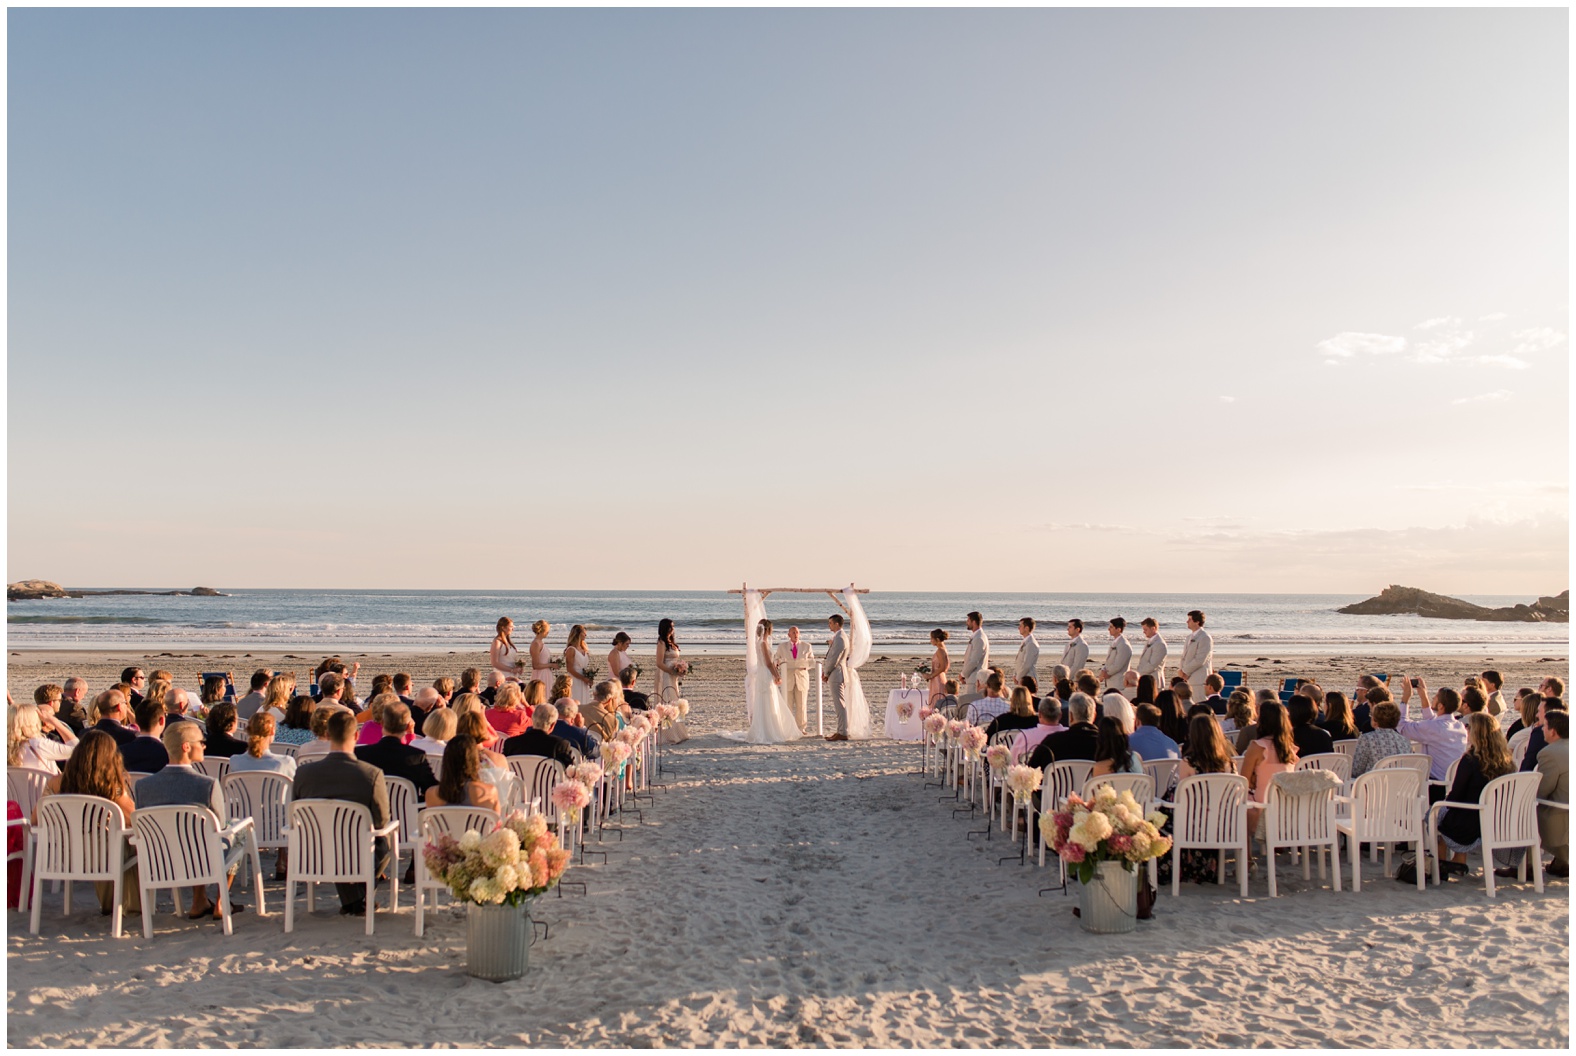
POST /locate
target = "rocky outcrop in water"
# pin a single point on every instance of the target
(33, 589)
(1396, 600)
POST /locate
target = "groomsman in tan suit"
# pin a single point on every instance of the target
(1028, 659)
(1198, 655)
(1152, 661)
(794, 658)
(1076, 655)
(1118, 658)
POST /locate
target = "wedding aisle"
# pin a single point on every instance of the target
(817, 895)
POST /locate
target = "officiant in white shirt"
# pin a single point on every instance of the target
(794, 658)
(1076, 656)
(1028, 660)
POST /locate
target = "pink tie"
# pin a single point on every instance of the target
(796, 650)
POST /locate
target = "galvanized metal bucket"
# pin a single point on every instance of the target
(497, 939)
(1108, 903)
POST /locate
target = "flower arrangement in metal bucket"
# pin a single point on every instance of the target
(1108, 828)
(515, 862)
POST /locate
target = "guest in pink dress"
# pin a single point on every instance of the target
(1274, 752)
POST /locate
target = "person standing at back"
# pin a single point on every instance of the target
(340, 775)
(1076, 654)
(1027, 663)
(1152, 661)
(1197, 655)
(1118, 659)
(976, 657)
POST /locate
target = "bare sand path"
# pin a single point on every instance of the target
(815, 894)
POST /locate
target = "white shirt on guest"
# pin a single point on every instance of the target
(267, 762)
(987, 708)
(41, 753)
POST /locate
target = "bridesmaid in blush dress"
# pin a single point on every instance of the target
(670, 673)
(503, 655)
(575, 665)
(618, 657)
(541, 656)
(939, 664)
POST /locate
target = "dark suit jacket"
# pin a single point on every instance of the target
(1311, 740)
(636, 700)
(339, 775)
(144, 755)
(1217, 704)
(122, 734)
(588, 745)
(1362, 715)
(1535, 744)
(399, 760)
(535, 742)
(224, 745)
(1075, 742)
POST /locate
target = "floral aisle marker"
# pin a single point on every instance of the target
(1103, 841)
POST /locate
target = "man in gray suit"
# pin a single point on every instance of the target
(180, 784)
(976, 660)
(835, 674)
(1118, 658)
(1553, 768)
(340, 775)
(1028, 659)
(1076, 656)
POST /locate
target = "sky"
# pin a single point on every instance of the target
(1233, 300)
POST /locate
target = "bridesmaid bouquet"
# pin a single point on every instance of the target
(589, 672)
(923, 669)
(685, 668)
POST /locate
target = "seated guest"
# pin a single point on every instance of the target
(221, 740)
(145, 753)
(296, 726)
(462, 785)
(1112, 755)
(601, 714)
(1087, 684)
(1273, 752)
(1554, 786)
(947, 703)
(425, 703)
(136, 680)
(27, 746)
(495, 679)
(95, 769)
(73, 709)
(466, 703)
(992, 704)
(1486, 757)
(260, 732)
(1240, 714)
(537, 741)
(372, 724)
(1526, 708)
(439, 730)
(1361, 703)
(393, 753)
(320, 745)
(401, 685)
(178, 707)
(1207, 752)
(278, 694)
(180, 784)
(214, 690)
(1118, 707)
(340, 775)
(1078, 741)
(509, 715)
(1381, 742)
(1173, 721)
(470, 682)
(1183, 693)
(1338, 721)
(380, 684)
(1441, 735)
(573, 731)
(471, 724)
(1310, 740)
(535, 693)
(1214, 688)
(1019, 714)
(445, 688)
(1048, 721)
(1537, 740)
(1145, 693)
(1148, 740)
(1030, 683)
(1473, 701)
(47, 699)
(252, 703)
(635, 699)
(109, 712)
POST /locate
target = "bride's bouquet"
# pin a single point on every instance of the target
(515, 862)
(905, 710)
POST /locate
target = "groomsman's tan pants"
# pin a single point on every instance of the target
(796, 692)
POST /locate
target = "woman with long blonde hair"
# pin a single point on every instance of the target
(505, 658)
(575, 664)
(276, 698)
(27, 746)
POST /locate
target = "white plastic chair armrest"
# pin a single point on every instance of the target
(1552, 803)
(235, 828)
(387, 830)
(1165, 803)
(1433, 811)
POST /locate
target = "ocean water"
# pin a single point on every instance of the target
(712, 621)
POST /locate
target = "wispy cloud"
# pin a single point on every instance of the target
(1484, 397)
(1084, 526)
(1444, 339)
(1350, 344)
(1538, 339)
(1502, 360)
(1443, 320)
(1228, 399)
(1492, 317)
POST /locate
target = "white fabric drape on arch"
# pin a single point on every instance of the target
(858, 654)
(754, 613)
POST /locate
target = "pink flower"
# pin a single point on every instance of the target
(1072, 852)
(1064, 819)
(1119, 844)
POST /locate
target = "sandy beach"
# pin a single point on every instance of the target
(816, 895)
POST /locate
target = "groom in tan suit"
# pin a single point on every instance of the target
(795, 657)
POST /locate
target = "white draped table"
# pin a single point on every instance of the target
(896, 728)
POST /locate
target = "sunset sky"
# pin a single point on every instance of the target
(1044, 300)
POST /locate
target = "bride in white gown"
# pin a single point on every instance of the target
(770, 720)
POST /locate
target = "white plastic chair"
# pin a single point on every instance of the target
(80, 838)
(1305, 822)
(1061, 780)
(334, 841)
(284, 749)
(1386, 806)
(434, 822)
(1336, 763)
(1162, 772)
(1508, 817)
(404, 804)
(25, 786)
(1347, 747)
(132, 777)
(1141, 785)
(536, 775)
(183, 846)
(1418, 761)
(435, 760)
(215, 767)
(1210, 813)
(263, 797)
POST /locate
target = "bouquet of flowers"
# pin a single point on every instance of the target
(1022, 780)
(925, 712)
(685, 668)
(515, 862)
(935, 724)
(997, 756)
(955, 728)
(971, 740)
(683, 706)
(571, 797)
(589, 673)
(923, 669)
(905, 710)
(587, 774)
(1109, 828)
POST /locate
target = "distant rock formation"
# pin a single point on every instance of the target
(33, 589)
(1397, 600)
(30, 589)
